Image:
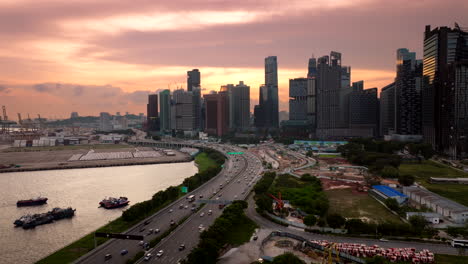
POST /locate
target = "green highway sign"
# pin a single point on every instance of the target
(235, 153)
(184, 189)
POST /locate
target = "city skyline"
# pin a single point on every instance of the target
(58, 60)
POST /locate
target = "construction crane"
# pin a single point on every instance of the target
(20, 120)
(279, 201)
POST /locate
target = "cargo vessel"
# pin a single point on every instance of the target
(111, 202)
(30, 221)
(31, 202)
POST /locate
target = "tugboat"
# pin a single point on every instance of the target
(30, 221)
(111, 202)
(31, 202)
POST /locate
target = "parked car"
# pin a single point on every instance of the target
(107, 256)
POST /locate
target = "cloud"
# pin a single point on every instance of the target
(4, 89)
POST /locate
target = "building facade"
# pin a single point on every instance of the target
(193, 79)
(387, 110)
(217, 113)
(271, 84)
(165, 111)
(183, 110)
(239, 106)
(363, 108)
(152, 113)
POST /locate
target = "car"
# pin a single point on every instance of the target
(181, 206)
(107, 256)
(255, 237)
(202, 214)
(181, 247)
(123, 252)
(148, 256)
(214, 192)
(200, 196)
(200, 226)
(210, 212)
(160, 253)
(172, 222)
(170, 210)
(186, 207)
(150, 232)
(147, 222)
(193, 209)
(219, 195)
(146, 245)
(201, 230)
(143, 229)
(383, 240)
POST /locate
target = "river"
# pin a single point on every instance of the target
(81, 189)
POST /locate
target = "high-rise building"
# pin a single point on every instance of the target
(217, 113)
(239, 106)
(363, 108)
(193, 79)
(271, 83)
(298, 99)
(408, 93)
(183, 107)
(260, 110)
(312, 68)
(387, 110)
(152, 112)
(105, 122)
(445, 53)
(165, 113)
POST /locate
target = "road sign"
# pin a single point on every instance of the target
(118, 236)
(235, 153)
(184, 189)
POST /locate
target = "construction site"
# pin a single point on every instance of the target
(24, 129)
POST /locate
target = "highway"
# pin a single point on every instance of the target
(188, 233)
(235, 168)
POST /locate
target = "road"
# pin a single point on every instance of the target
(237, 188)
(235, 168)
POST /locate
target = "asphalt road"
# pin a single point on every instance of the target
(234, 167)
(188, 233)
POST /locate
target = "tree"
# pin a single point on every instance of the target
(310, 220)
(377, 260)
(390, 172)
(335, 220)
(418, 222)
(426, 150)
(321, 222)
(287, 258)
(309, 153)
(392, 203)
(406, 180)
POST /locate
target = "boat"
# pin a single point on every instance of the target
(111, 202)
(31, 202)
(31, 221)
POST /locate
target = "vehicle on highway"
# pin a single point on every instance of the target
(210, 212)
(219, 195)
(181, 206)
(160, 253)
(383, 240)
(172, 222)
(150, 232)
(147, 222)
(170, 210)
(193, 209)
(191, 198)
(235, 197)
(200, 226)
(107, 256)
(200, 196)
(221, 206)
(141, 243)
(459, 243)
(143, 229)
(186, 207)
(156, 230)
(181, 247)
(123, 252)
(202, 214)
(148, 256)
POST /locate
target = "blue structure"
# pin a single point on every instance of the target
(383, 192)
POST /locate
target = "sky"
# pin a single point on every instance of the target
(105, 56)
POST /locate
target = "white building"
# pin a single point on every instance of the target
(432, 218)
(453, 211)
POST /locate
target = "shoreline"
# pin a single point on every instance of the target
(95, 165)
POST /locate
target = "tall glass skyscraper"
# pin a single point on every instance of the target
(271, 83)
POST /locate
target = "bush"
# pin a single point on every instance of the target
(310, 220)
(392, 204)
(406, 180)
(390, 172)
(335, 220)
(287, 258)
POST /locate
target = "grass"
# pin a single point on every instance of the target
(427, 169)
(85, 244)
(351, 205)
(69, 147)
(329, 155)
(450, 259)
(204, 162)
(242, 232)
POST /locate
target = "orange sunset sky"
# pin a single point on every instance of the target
(91, 56)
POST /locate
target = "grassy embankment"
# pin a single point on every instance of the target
(350, 205)
(422, 172)
(85, 244)
(69, 147)
(450, 259)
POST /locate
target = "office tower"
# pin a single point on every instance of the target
(217, 113)
(387, 110)
(271, 83)
(184, 114)
(298, 99)
(363, 108)
(197, 108)
(193, 79)
(443, 103)
(408, 93)
(165, 113)
(260, 110)
(105, 121)
(312, 68)
(152, 112)
(239, 106)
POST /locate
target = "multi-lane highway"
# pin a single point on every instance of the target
(234, 182)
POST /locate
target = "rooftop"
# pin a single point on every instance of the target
(390, 192)
(436, 199)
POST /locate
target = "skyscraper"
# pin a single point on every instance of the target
(445, 54)
(165, 115)
(312, 68)
(387, 110)
(271, 83)
(193, 79)
(408, 93)
(217, 113)
(239, 106)
(152, 112)
(298, 99)
(363, 108)
(183, 106)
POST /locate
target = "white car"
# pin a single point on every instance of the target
(160, 253)
(202, 214)
(170, 210)
(148, 256)
(210, 212)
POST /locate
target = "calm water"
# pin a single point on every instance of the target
(81, 189)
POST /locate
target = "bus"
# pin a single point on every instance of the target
(191, 198)
(459, 243)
